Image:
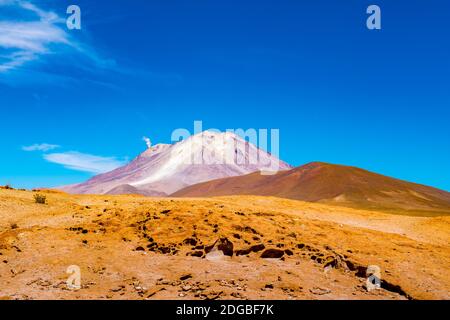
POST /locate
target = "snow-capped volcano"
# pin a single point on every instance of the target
(167, 168)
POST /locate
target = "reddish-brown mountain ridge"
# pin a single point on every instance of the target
(329, 183)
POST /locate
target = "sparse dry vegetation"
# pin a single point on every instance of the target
(40, 198)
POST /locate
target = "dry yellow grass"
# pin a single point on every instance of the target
(331, 247)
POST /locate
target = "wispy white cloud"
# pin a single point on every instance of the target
(27, 41)
(35, 33)
(36, 48)
(84, 162)
(40, 147)
(46, 16)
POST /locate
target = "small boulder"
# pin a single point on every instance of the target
(221, 248)
(224, 245)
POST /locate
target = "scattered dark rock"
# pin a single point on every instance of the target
(288, 252)
(272, 254)
(255, 248)
(247, 229)
(139, 249)
(361, 271)
(190, 241)
(330, 262)
(224, 245)
(196, 254)
(185, 276)
(164, 250)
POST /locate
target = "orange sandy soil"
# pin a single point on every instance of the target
(132, 247)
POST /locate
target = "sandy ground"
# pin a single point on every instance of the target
(131, 247)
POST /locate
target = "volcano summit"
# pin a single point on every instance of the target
(166, 168)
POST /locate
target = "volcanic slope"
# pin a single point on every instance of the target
(332, 184)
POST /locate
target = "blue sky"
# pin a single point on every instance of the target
(77, 102)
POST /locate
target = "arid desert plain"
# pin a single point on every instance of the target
(233, 247)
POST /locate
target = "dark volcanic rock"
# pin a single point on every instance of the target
(196, 254)
(190, 241)
(272, 253)
(224, 245)
(246, 251)
(288, 252)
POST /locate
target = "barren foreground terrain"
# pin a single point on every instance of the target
(133, 247)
